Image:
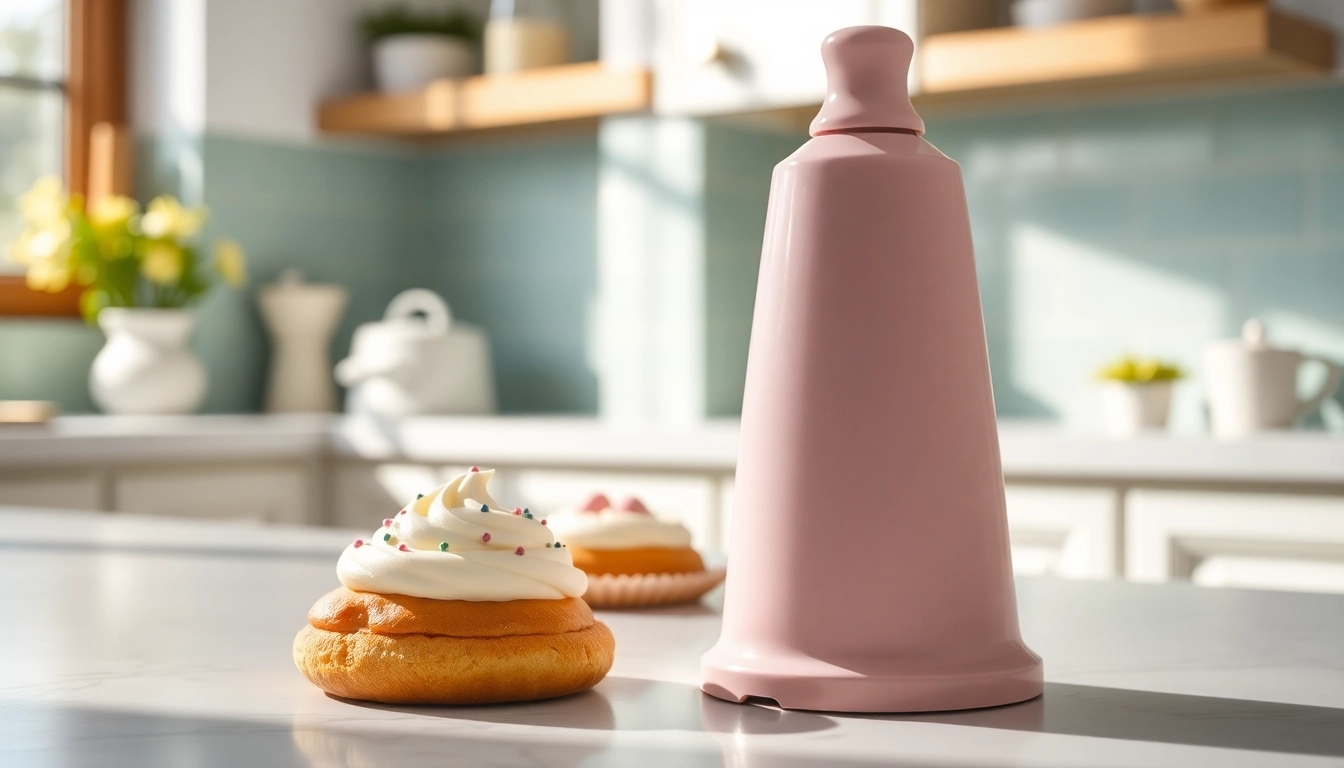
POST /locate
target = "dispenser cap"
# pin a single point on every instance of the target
(866, 71)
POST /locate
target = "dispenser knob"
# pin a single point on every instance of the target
(866, 90)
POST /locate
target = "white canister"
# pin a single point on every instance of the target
(301, 318)
(1252, 386)
(416, 361)
(518, 44)
(408, 62)
(1130, 408)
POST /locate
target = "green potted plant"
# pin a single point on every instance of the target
(141, 272)
(412, 48)
(1136, 394)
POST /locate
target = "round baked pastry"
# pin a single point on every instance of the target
(613, 540)
(632, 558)
(455, 600)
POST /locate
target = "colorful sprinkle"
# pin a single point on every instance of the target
(443, 546)
(517, 511)
(402, 512)
(543, 521)
(419, 496)
(404, 548)
(485, 508)
(387, 521)
(359, 543)
(387, 536)
(518, 551)
(485, 537)
(475, 469)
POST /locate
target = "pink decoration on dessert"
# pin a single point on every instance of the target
(402, 512)
(387, 521)
(543, 521)
(518, 511)
(518, 551)
(475, 469)
(485, 537)
(596, 503)
(633, 504)
(403, 548)
(359, 543)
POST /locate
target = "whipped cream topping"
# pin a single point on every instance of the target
(599, 525)
(457, 543)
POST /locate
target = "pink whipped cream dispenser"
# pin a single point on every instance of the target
(868, 557)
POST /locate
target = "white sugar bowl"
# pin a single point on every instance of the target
(418, 361)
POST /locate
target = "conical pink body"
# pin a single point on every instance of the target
(869, 561)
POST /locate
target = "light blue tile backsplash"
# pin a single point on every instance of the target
(513, 248)
(1145, 227)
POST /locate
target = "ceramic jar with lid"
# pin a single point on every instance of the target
(1252, 386)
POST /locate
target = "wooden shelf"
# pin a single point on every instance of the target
(555, 94)
(1239, 44)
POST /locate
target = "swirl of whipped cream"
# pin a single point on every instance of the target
(457, 543)
(598, 525)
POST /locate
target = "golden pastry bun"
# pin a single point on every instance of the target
(633, 562)
(411, 650)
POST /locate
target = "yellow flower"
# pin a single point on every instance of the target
(166, 218)
(45, 203)
(231, 263)
(162, 263)
(50, 243)
(111, 211)
(48, 275)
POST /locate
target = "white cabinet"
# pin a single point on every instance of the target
(723, 56)
(68, 489)
(260, 492)
(727, 56)
(1257, 540)
(1061, 531)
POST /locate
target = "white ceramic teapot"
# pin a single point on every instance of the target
(417, 361)
(1253, 386)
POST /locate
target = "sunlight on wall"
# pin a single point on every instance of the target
(1066, 297)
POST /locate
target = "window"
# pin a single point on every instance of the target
(62, 69)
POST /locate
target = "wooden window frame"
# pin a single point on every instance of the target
(95, 91)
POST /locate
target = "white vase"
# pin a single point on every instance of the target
(146, 367)
(408, 62)
(1130, 409)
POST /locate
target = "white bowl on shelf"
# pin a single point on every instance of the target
(1045, 13)
(408, 62)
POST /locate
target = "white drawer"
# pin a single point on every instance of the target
(75, 489)
(1256, 540)
(1071, 532)
(272, 493)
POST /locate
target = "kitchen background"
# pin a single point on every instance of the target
(1126, 223)
(1147, 227)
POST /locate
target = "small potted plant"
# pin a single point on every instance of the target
(413, 48)
(140, 271)
(1136, 395)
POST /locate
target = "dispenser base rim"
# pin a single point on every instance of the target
(898, 693)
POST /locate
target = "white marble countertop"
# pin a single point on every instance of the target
(1030, 451)
(150, 642)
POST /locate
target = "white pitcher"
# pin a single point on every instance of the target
(1253, 386)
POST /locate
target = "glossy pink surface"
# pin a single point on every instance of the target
(869, 544)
